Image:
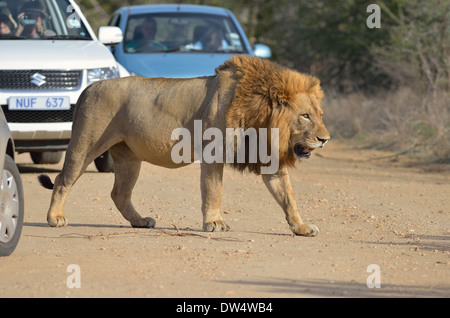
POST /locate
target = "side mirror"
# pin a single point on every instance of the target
(110, 35)
(262, 51)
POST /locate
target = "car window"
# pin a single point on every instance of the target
(45, 19)
(115, 20)
(183, 32)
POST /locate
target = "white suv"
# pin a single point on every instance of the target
(48, 55)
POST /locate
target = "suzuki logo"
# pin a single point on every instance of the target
(38, 79)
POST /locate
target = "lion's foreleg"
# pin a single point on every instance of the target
(280, 187)
(211, 188)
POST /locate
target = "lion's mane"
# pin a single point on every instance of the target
(264, 98)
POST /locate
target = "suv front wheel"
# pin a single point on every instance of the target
(46, 157)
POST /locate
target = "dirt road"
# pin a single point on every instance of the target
(381, 223)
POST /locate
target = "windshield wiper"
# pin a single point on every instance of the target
(9, 37)
(67, 37)
(174, 49)
(185, 49)
(234, 51)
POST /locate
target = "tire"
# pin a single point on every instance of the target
(104, 163)
(11, 207)
(46, 157)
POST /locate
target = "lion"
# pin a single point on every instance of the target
(134, 118)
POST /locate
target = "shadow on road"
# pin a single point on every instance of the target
(328, 288)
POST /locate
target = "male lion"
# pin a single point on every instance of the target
(134, 119)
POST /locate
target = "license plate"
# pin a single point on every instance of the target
(39, 103)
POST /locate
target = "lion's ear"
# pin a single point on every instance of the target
(278, 99)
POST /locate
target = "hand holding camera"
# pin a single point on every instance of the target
(31, 21)
(25, 20)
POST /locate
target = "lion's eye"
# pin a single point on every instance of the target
(305, 116)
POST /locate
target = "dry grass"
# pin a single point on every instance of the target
(403, 121)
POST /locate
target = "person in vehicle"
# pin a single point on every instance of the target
(7, 23)
(144, 37)
(31, 20)
(213, 41)
(210, 40)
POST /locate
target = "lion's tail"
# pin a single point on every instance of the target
(45, 181)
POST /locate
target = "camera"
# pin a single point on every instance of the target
(25, 20)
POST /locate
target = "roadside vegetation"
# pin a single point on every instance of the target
(386, 87)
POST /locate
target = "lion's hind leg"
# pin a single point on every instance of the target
(126, 173)
(78, 156)
(73, 168)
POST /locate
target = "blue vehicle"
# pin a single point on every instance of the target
(178, 40)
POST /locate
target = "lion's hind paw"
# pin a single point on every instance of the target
(306, 230)
(59, 221)
(216, 226)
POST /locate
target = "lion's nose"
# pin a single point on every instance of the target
(323, 140)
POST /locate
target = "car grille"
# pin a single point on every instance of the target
(38, 116)
(50, 79)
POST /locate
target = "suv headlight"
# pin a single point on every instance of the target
(99, 74)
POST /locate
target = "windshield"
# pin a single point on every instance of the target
(181, 32)
(40, 19)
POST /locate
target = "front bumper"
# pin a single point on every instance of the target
(41, 136)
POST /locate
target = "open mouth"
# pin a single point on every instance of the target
(302, 152)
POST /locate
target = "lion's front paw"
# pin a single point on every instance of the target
(144, 222)
(306, 230)
(216, 226)
(59, 221)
